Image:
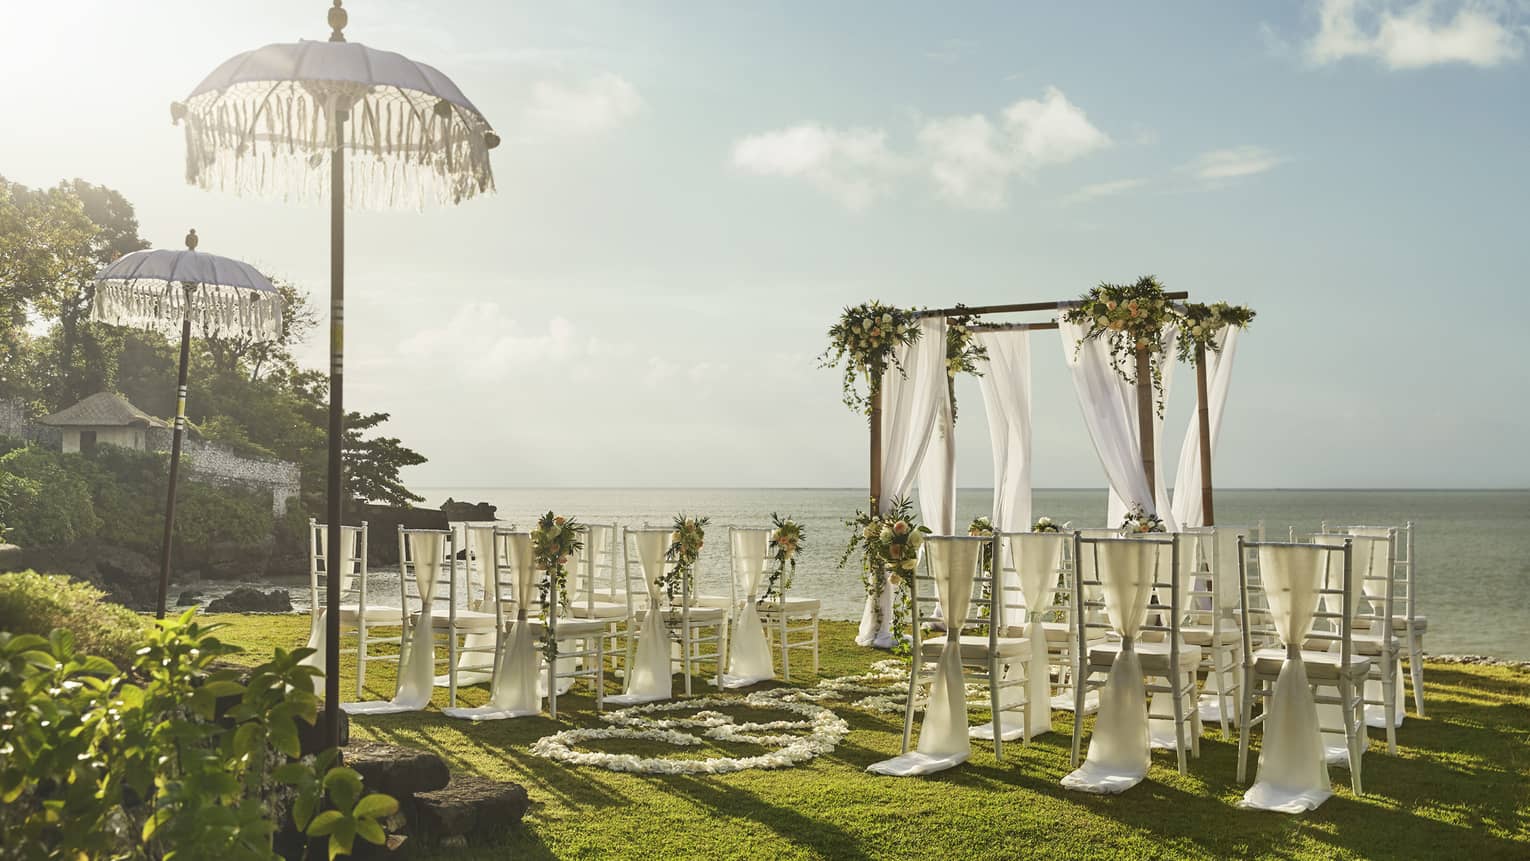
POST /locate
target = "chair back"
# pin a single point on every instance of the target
(1032, 568)
(594, 574)
(429, 570)
(950, 576)
(749, 555)
(353, 562)
(643, 551)
(1136, 577)
(1404, 583)
(479, 563)
(1286, 594)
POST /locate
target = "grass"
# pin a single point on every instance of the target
(1456, 789)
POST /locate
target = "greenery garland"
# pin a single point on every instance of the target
(554, 540)
(888, 541)
(1199, 325)
(686, 541)
(865, 341)
(963, 353)
(785, 541)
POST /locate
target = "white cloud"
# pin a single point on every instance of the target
(971, 158)
(1417, 35)
(854, 166)
(592, 106)
(480, 341)
(1235, 162)
(1098, 190)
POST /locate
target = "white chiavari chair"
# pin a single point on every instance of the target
(1407, 622)
(600, 590)
(360, 612)
(1213, 622)
(1373, 561)
(1288, 596)
(700, 633)
(451, 621)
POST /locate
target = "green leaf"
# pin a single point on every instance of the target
(291, 773)
(325, 823)
(344, 837)
(223, 688)
(370, 831)
(284, 737)
(302, 810)
(375, 806)
(344, 786)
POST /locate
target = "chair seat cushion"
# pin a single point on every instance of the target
(351, 613)
(568, 627)
(1420, 623)
(476, 619)
(703, 615)
(1200, 635)
(1320, 665)
(722, 602)
(975, 648)
(600, 610)
(1152, 655)
(792, 606)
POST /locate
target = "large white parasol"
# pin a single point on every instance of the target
(168, 291)
(267, 121)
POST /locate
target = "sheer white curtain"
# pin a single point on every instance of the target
(416, 675)
(1006, 387)
(937, 473)
(943, 740)
(514, 691)
(479, 541)
(1119, 749)
(1037, 558)
(1109, 404)
(1293, 771)
(649, 678)
(910, 409)
(749, 659)
(1187, 481)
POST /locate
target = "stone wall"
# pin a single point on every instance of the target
(207, 461)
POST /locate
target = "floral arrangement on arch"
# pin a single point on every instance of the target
(1138, 521)
(785, 541)
(685, 544)
(888, 541)
(553, 542)
(1046, 524)
(865, 341)
(963, 353)
(1199, 324)
(1130, 317)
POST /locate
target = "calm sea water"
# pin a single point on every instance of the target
(1473, 546)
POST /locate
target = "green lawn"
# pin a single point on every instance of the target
(1457, 789)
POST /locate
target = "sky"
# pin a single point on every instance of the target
(688, 194)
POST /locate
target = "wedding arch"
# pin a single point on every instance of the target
(909, 358)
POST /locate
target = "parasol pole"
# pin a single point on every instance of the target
(175, 443)
(333, 563)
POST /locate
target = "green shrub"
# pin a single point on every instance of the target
(32, 603)
(206, 514)
(50, 503)
(102, 763)
(128, 492)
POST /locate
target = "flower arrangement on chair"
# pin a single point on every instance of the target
(785, 541)
(888, 541)
(865, 340)
(553, 541)
(1138, 522)
(686, 541)
(1046, 524)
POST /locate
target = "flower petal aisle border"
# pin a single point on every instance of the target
(882, 689)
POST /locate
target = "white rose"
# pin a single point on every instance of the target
(866, 323)
(916, 539)
(887, 535)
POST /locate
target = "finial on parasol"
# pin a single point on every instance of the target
(191, 239)
(337, 20)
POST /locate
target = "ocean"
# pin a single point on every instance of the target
(1473, 547)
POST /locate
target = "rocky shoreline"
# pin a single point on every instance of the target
(1478, 660)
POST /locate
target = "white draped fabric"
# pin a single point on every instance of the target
(417, 671)
(943, 740)
(1006, 387)
(1293, 772)
(1187, 481)
(1119, 749)
(1037, 559)
(749, 658)
(479, 541)
(1109, 404)
(514, 691)
(318, 629)
(910, 410)
(1375, 544)
(937, 474)
(649, 678)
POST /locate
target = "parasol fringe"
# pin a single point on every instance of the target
(250, 140)
(159, 306)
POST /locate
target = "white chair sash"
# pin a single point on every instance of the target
(649, 678)
(943, 738)
(1119, 749)
(1038, 560)
(514, 691)
(416, 677)
(1293, 772)
(749, 658)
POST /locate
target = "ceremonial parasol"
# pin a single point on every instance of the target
(164, 290)
(266, 122)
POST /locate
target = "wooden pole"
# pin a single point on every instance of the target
(335, 503)
(175, 452)
(1016, 308)
(1208, 514)
(1145, 424)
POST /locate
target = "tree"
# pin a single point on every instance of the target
(372, 465)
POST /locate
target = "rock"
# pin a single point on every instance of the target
(189, 598)
(477, 511)
(471, 808)
(249, 600)
(11, 557)
(126, 576)
(311, 738)
(383, 522)
(401, 772)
